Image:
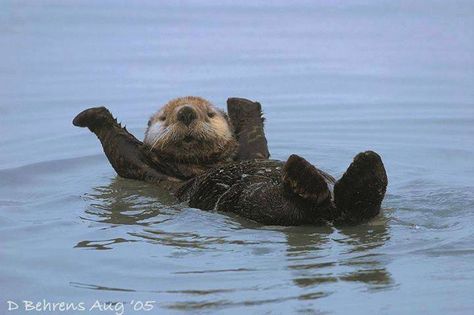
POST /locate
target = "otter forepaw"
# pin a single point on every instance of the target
(360, 191)
(304, 180)
(93, 117)
(247, 119)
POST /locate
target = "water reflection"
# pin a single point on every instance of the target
(368, 266)
(102, 244)
(307, 257)
(125, 202)
(324, 255)
(128, 202)
(162, 220)
(316, 257)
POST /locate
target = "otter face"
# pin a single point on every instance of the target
(190, 128)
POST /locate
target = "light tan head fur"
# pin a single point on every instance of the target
(190, 129)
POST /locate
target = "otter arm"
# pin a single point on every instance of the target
(128, 156)
(246, 117)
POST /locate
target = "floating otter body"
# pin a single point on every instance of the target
(216, 162)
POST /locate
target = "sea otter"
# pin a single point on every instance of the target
(220, 162)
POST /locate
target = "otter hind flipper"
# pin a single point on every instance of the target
(247, 119)
(301, 178)
(359, 193)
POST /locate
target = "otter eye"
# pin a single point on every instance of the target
(211, 114)
(163, 118)
(149, 123)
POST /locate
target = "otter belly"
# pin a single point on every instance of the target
(256, 190)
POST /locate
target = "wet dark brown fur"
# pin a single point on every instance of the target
(243, 181)
(134, 159)
(292, 192)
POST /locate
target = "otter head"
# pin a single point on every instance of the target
(191, 129)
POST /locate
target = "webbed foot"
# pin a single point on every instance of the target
(359, 193)
(302, 179)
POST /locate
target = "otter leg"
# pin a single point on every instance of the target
(359, 193)
(309, 188)
(247, 119)
(304, 180)
(123, 150)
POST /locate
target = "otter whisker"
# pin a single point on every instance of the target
(154, 143)
(161, 138)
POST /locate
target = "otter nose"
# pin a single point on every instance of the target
(187, 115)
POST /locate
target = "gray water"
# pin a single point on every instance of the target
(334, 78)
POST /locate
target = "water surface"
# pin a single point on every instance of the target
(334, 79)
